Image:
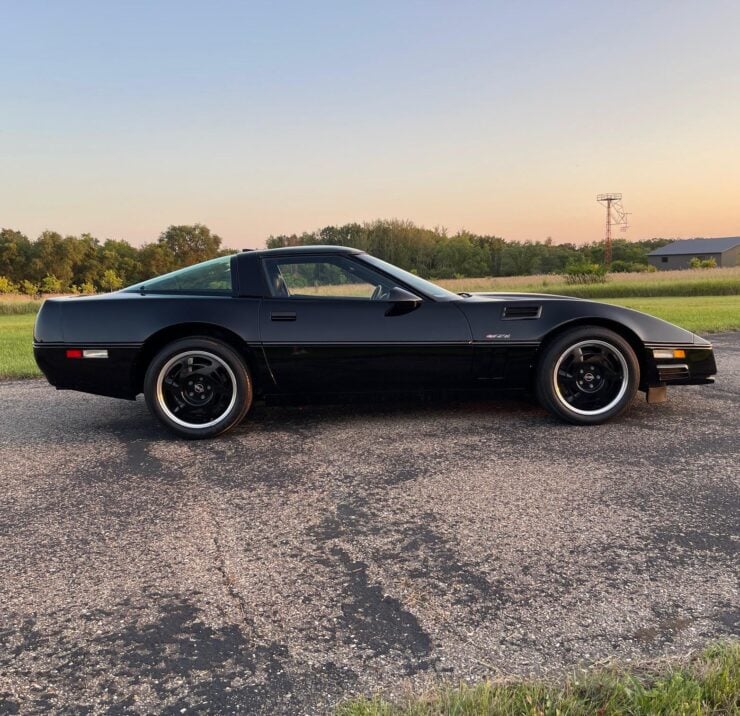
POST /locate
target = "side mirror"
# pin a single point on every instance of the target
(402, 301)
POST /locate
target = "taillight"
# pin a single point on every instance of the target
(87, 353)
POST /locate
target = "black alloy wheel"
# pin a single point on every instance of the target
(198, 387)
(588, 375)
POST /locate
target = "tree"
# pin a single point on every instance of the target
(190, 244)
(53, 256)
(154, 260)
(86, 259)
(15, 254)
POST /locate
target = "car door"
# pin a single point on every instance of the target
(330, 326)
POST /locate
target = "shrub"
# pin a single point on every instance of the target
(620, 266)
(87, 287)
(7, 286)
(111, 281)
(51, 284)
(28, 288)
(583, 272)
(697, 263)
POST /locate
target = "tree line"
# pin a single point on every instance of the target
(83, 264)
(53, 263)
(432, 253)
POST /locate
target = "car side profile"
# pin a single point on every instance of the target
(204, 342)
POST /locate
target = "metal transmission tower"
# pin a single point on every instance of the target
(615, 216)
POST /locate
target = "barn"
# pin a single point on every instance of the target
(678, 255)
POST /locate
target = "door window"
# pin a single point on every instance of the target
(325, 277)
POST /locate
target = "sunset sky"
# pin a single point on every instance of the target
(263, 118)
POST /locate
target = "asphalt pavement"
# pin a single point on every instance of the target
(315, 553)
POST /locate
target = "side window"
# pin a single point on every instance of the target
(330, 277)
(209, 277)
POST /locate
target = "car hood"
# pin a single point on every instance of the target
(487, 314)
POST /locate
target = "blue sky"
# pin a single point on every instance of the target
(263, 118)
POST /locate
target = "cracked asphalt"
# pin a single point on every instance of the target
(315, 553)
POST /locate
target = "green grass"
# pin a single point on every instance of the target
(707, 684)
(703, 314)
(16, 350)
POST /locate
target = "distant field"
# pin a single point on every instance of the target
(17, 305)
(701, 282)
(704, 282)
(698, 282)
(702, 314)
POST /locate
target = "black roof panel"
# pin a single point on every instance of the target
(318, 249)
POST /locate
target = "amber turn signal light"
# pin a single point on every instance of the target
(668, 353)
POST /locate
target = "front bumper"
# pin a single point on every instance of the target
(696, 366)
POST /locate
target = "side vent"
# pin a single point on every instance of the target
(518, 312)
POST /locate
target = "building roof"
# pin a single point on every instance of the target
(694, 247)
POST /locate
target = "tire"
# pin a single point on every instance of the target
(198, 387)
(587, 376)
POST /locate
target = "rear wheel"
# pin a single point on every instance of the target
(588, 375)
(198, 387)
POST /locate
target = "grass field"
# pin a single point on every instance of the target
(11, 306)
(16, 351)
(701, 282)
(701, 314)
(706, 685)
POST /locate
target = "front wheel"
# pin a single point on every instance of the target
(588, 375)
(198, 387)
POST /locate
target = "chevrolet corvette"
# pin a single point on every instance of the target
(204, 342)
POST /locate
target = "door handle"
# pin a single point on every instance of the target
(282, 316)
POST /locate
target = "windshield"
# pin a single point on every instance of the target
(426, 287)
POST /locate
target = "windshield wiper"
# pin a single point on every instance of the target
(464, 294)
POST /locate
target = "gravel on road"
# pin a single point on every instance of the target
(315, 553)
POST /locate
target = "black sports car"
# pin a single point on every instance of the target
(203, 342)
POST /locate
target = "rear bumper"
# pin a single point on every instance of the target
(113, 374)
(697, 367)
